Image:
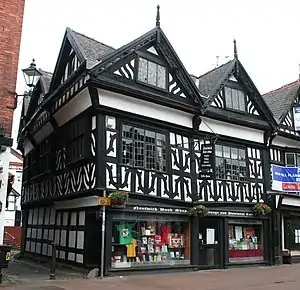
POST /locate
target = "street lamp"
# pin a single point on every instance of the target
(31, 75)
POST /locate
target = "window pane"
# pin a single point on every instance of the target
(298, 159)
(152, 73)
(150, 137)
(219, 151)
(241, 101)
(161, 77)
(235, 99)
(228, 99)
(234, 153)
(226, 152)
(290, 159)
(143, 70)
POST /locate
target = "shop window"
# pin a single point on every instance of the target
(235, 99)
(152, 73)
(231, 163)
(245, 243)
(143, 148)
(144, 243)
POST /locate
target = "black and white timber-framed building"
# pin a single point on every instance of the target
(133, 119)
(285, 152)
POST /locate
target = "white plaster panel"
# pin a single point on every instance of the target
(76, 203)
(43, 133)
(78, 104)
(71, 256)
(79, 258)
(231, 130)
(144, 108)
(72, 239)
(27, 146)
(82, 218)
(159, 112)
(285, 142)
(80, 239)
(291, 200)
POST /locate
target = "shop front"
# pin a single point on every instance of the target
(290, 227)
(148, 236)
(232, 237)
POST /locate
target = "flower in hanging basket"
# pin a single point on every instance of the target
(118, 198)
(198, 210)
(261, 209)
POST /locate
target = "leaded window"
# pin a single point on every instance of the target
(143, 148)
(152, 73)
(231, 163)
(76, 143)
(235, 99)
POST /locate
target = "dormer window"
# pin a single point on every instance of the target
(151, 73)
(234, 99)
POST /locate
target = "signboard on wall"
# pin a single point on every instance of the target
(297, 118)
(286, 178)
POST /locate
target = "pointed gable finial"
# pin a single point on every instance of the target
(235, 49)
(158, 17)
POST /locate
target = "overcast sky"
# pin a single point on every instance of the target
(199, 30)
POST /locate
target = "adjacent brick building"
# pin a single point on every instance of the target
(11, 19)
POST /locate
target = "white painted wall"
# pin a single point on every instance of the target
(4, 158)
(170, 115)
(285, 142)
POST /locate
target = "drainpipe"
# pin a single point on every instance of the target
(103, 239)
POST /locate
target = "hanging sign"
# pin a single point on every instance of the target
(104, 201)
(286, 178)
(297, 118)
(206, 162)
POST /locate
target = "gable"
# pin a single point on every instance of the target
(287, 124)
(150, 64)
(69, 59)
(230, 88)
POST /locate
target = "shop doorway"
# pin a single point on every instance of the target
(210, 243)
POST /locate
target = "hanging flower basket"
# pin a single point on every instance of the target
(198, 210)
(261, 209)
(118, 199)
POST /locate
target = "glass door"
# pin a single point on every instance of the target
(210, 243)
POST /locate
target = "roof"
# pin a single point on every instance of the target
(209, 82)
(46, 79)
(280, 100)
(92, 49)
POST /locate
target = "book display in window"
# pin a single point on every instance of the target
(148, 243)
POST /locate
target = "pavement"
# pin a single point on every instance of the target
(284, 277)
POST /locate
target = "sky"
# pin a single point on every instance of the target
(199, 30)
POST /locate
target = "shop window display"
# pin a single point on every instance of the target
(245, 243)
(145, 243)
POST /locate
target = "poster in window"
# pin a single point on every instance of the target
(210, 236)
(238, 233)
(297, 118)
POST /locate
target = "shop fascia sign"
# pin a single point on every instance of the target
(158, 209)
(229, 213)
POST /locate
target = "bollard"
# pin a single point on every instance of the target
(53, 262)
